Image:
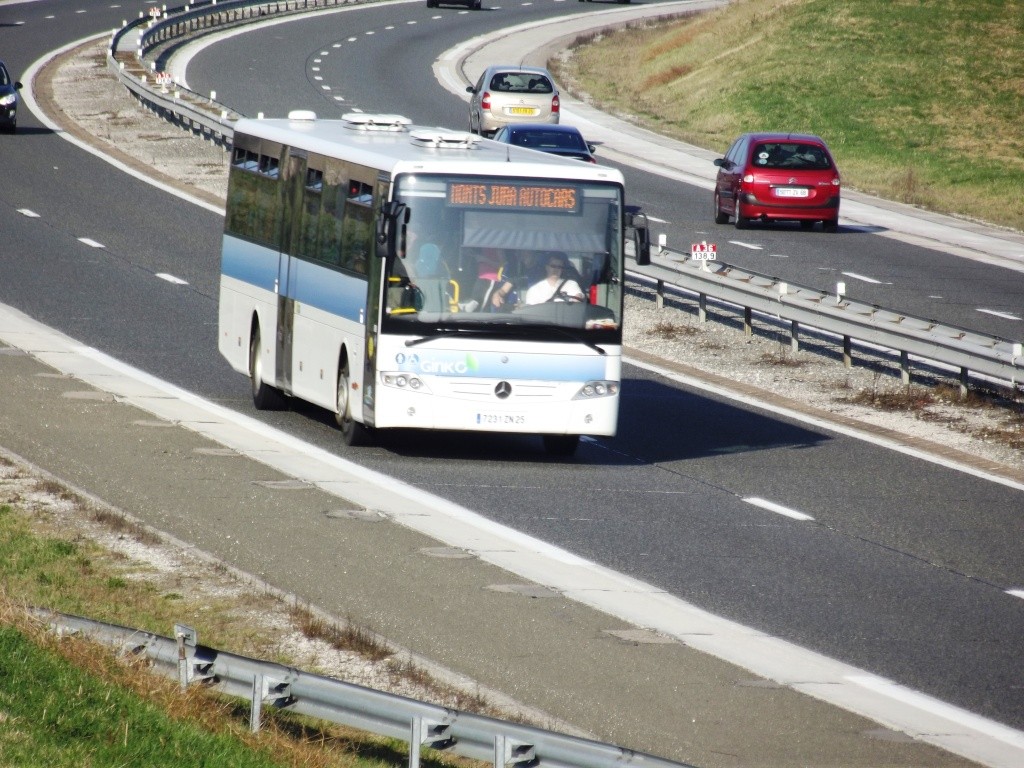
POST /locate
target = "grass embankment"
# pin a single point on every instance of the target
(66, 702)
(921, 101)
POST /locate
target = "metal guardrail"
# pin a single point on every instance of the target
(138, 50)
(801, 306)
(503, 744)
(837, 314)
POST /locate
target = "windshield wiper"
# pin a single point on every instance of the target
(439, 332)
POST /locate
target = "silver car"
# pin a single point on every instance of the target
(510, 94)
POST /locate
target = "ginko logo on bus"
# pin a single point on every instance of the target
(454, 366)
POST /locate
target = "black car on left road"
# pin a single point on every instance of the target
(9, 88)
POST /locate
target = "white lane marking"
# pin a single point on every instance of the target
(946, 711)
(1004, 315)
(1016, 593)
(171, 278)
(751, 246)
(862, 278)
(91, 243)
(28, 213)
(778, 509)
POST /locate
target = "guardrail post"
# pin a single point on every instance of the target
(702, 307)
(415, 739)
(256, 710)
(847, 352)
(794, 336)
(748, 322)
(904, 367)
(186, 637)
(659, 300)
(963, 383)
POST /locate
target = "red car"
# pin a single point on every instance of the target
(778, 177)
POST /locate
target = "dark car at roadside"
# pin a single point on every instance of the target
(561, 140)
(9, 88)
(770, 177)
(473, 4)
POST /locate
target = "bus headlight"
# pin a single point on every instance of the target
(598, 388)
(402, 380)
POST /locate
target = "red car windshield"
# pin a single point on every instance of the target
(792, 156)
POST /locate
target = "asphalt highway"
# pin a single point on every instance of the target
(902, 575)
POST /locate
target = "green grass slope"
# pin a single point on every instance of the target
(922, 101)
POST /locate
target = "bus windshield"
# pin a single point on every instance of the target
(490, 252)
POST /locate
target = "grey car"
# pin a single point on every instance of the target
(510, 94)
(9, 88)
(474, 4)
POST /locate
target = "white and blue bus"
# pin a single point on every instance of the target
(394, 275)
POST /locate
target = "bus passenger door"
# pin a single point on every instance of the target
(293, 173)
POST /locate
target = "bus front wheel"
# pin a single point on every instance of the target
(352, 432)
(264, 396)
(561, 445)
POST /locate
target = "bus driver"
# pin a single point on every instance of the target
(554, 286)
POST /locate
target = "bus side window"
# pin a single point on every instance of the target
(311, 206)
(357, 225)
(335, 189)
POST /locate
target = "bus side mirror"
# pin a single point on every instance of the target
(392, 215)
(641, 235)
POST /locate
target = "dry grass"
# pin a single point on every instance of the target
(346, 637)
(782, 356)
(668, 330)
(933, 403)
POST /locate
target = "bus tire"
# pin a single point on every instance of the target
(561, 445)
(352, 432)
(264, 396)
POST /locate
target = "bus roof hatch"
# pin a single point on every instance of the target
(364, 121)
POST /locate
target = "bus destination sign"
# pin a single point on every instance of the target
(529, 197)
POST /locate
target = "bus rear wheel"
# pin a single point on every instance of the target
(561, 445)
(264, 396)
(352, 432)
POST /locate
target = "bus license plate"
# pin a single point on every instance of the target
(792, 192)
(499, 420)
